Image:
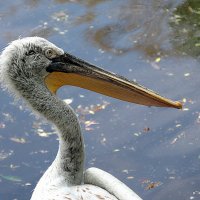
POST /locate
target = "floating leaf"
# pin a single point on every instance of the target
(103, 141)
(88, 125)
(152, 185)
(157, 60)
(4, 155)
(181, 135)
(178, 125)
(137, 134)
(125, 171)
(184, 100)
(8, 117)
(130, 177)
(14, 166)
(187, 74)
(92, 109)
(18, 140)
(68, 101)
(11, 178)
(2, 125)
(43, 133)
(60, 16)
(146, 129)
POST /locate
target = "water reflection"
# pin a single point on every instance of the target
(155, 42)
(137, 25)
(32, 3)
(185, 24)
(88, 3)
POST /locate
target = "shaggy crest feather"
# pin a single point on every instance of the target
(11, 60)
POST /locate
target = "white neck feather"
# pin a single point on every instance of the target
(68, 164)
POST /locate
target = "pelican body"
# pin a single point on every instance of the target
(34, 69)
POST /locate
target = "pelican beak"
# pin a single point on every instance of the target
(69, 70)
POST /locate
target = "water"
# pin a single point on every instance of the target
(155, 151)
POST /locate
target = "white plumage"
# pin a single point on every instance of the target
(33, 68)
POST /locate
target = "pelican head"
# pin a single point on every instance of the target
(35, 69)
(26, 60)
(35, 60)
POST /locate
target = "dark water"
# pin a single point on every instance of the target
(155, 151)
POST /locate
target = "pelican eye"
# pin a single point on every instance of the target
(50, 53)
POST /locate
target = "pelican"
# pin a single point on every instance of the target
(33, 69)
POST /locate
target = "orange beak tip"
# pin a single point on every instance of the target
(179, 105)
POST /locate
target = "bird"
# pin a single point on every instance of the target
(33, 68)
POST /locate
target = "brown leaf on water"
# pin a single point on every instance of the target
(89, 110)
(60, 16)
(89, 123)
(146, 129)
(99, 107)
(92, 109)
(2, 125)
(152, 185)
